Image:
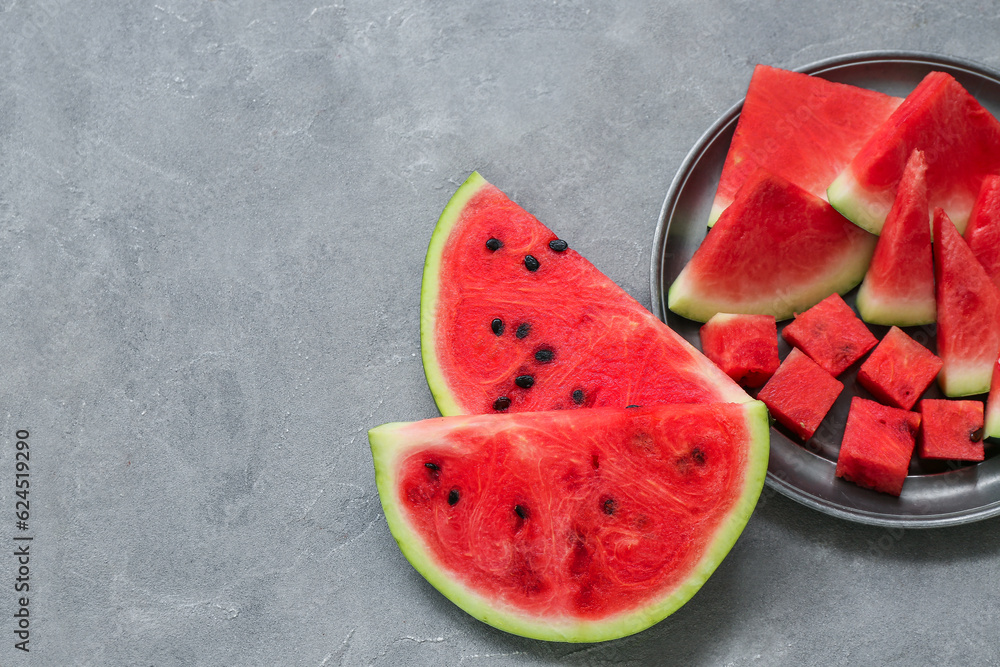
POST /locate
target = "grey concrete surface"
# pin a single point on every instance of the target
(213, 217)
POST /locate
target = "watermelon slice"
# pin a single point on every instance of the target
(983, 231)
(745, 347)
(512, 320)
(960, 139)
(991, 427)
(968, 312)
(831, 334)
(800, 393)
(776, 250)
(951, 430)
(877, 446)
(899, 286)
(800, 127)
(574, 526)
(899, 370)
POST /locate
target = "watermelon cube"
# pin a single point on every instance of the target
(831, 334)
(800, 393)
(745, 347)
(877, 446)
(951, 430)
(899, 370)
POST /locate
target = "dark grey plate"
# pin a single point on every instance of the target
(935, 493)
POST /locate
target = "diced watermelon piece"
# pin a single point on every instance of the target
(951, 430)
(775, 251)
(968, 313)
(745, 347)
(991, 425)
(899, 370)
(831, 334)
(960, 139)
(800, 393)
(803, 128)
(983, 232)
(877, 446)
(899, 286)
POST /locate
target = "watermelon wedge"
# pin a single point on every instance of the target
(776, 250)
(968, 311)
(800, 127)
(513, 320)
(959, 138)
(991, 427)
(574, 526)
(899, 286)
(983, 231)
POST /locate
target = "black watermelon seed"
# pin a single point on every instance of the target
(453, 497)
(543, 356)
(698, 456)
(501, 403)
(524, 381)
(976, 435)
(531, 263)
(497, 326)
(494, 244)
(558, 245)
(433, 466)
(632, 406)
(521, 511)
(609, 506)
(578, 397)
(522, 330)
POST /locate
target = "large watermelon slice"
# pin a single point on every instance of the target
(959, 138)
(512, 320)
(801, 127)
(580, 525)
(776, 250)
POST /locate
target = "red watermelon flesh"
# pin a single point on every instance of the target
(899, 286)
(983, 231)
(579, 525)
(801, 127)
(968, 313)
(951, 430)
(511, 319)
(899, 370)
(959, 138)
(877, 446)
(800, 393)
(776, 250)
(991, 425)
(831, 334)
(745, 347)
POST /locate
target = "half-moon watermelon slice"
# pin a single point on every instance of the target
(572, 525)
(513, 320)
(959, 138)
(803, 128)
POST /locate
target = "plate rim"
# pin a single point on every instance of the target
(657, 292)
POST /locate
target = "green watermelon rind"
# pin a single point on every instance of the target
(444, 398)
(958, 379)
(850, 200)
(888, 312)
(387, 446)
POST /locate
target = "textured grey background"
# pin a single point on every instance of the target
(213, 217)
